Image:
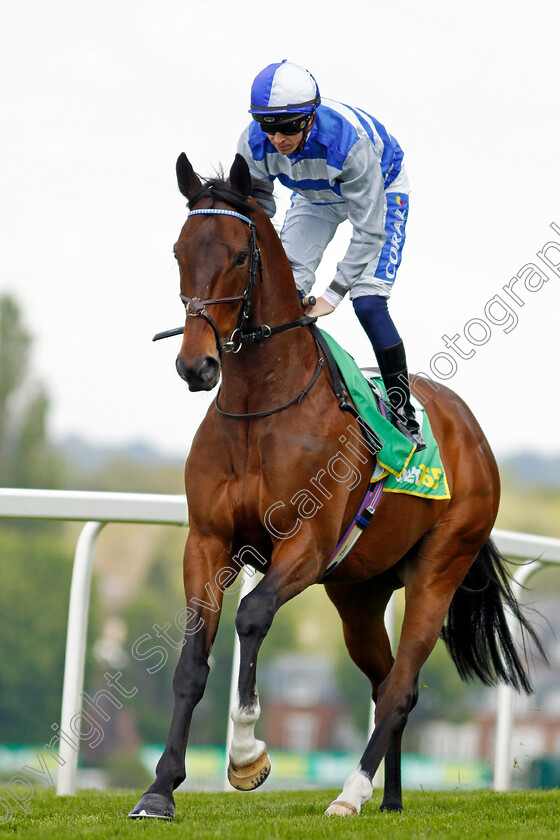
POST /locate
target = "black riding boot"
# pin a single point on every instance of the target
(392, 364)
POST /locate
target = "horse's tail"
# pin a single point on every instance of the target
(477, 634)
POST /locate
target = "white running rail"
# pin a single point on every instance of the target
(540, 551)
(96, 509)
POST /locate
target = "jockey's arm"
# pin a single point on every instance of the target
(362, 188)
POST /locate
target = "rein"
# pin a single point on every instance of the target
(298, 399)
(254, 334)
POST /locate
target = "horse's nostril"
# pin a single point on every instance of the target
(208, 369)
(201, 376)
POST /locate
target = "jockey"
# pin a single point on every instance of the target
(340, 163)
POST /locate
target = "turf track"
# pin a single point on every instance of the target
(285, 815)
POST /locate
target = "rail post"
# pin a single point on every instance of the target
(74, 663)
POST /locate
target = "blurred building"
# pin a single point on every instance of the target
(304, 709)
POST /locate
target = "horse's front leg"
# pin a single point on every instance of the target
(293, 569)
(249, 764)
(203, 569)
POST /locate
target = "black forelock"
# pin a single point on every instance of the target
(220, 189)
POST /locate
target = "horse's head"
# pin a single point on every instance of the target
(218, 261)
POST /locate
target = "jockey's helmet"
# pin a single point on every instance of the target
(284, 96)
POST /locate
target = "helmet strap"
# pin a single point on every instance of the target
(306, 130)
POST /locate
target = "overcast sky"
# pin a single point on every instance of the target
(99, 99)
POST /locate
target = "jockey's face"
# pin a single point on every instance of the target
(285, 143)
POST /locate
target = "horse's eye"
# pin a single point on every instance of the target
(241, 258)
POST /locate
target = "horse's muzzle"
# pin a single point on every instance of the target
(202, 376)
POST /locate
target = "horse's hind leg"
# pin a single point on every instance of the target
(430, 578)
(361, 608)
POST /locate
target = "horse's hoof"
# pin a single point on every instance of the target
(341, 809)
(154, 806)
(250, 776)
(391, 807)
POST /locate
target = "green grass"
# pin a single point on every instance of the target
(287, 815)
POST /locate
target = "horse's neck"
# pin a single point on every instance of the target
(261, 376)
(278, 300)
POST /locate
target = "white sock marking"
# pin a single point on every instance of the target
(244, 747)
(357, 790)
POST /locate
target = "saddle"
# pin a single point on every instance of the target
(361, 392)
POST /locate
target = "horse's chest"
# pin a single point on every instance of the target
(261, 483)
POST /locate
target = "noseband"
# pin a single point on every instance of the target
(196, 308)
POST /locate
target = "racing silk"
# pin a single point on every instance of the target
(348, 162)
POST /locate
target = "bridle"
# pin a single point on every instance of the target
(196, 308)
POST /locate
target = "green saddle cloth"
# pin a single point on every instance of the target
(407, 471)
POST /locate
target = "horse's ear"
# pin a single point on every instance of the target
(188, 180)
(240, 177)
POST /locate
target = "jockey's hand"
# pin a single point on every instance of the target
(321, 307)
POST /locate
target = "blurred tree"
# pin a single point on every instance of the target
(35, 559)
(33, 610)
(26, 458)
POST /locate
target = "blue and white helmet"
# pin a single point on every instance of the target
(283, 92)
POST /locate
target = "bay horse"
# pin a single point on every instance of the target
(276, 428)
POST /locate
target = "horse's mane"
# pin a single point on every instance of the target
(220, 189)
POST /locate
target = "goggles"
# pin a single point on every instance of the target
(271, 124)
